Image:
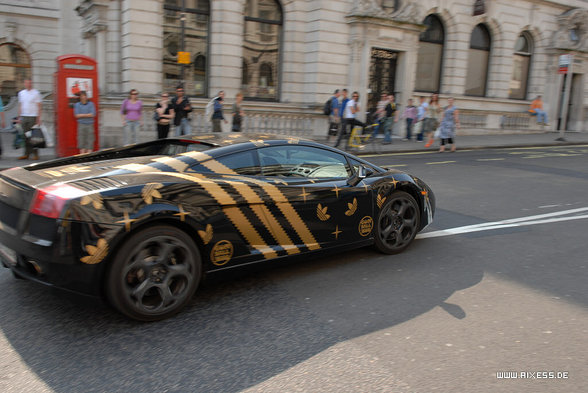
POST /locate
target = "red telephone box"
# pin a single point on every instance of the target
(74, 74)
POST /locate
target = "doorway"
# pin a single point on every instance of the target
(574, 112)
(382, 75)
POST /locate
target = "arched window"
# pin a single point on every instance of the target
(15, 67)
(261, 45)
(523, 51)
(479, 57)
(185, 29)
(430, 55)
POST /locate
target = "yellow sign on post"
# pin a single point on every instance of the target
(183, 57)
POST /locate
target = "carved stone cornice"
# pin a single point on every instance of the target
(572, 32)
(94, 14)
(407, 11)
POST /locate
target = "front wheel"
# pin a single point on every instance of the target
(397, 224)
(155, 273)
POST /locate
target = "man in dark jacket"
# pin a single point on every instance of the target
(181, 106)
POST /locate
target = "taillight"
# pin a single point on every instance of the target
(49, 201)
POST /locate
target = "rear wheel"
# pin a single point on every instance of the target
(397, 224)
(155, 273)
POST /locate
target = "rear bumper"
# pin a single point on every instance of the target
(49, 263)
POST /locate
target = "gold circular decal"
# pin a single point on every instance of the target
(222, 252)
(365, 226)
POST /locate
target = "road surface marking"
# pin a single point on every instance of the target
(514, 222)
(440, 162)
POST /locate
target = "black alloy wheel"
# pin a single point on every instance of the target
(397, 224)
(155, 273)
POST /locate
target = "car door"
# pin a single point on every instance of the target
(236, 229)
(313, 199)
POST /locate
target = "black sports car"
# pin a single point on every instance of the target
(141, 224)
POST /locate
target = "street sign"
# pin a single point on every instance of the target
(183, 57)
(564, 63)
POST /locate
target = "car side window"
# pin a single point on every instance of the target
(242, 163)
(302, 161)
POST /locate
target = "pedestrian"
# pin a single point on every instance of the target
(182, 108)
(130, 111)
(536, 109)
(422, 116)
(2, 119)
(217, 115)
(342, 105)
(238, 113)
(85, 112)
(434, 118)
(410, 114)
(164, 113)
(350, 117)
(380, 115)
(448, 124)
(391, 118)
(334, 116)
(29, 115)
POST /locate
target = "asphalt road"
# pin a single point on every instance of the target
(497, 284)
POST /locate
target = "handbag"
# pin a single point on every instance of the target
(36, 138)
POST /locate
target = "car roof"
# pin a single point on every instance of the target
(222, 144)
(222, 139)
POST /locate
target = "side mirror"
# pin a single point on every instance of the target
(358, 176)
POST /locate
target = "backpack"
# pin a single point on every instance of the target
(209, 109)
(327, 108)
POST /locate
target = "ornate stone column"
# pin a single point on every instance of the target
(94, 29)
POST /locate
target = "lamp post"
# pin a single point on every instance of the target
(182, 40)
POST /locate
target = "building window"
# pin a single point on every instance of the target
(517, 88)
(390, 6)
(15, 67)
(261, 49)
(479, 57)
(245, 75)
(185, 29)
(430, 55)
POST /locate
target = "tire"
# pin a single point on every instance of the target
(397, 223)
(154, 274)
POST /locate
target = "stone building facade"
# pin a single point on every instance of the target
(287, 56)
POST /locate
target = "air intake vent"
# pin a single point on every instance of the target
(100, 183)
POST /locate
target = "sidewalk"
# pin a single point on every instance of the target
(10, 156)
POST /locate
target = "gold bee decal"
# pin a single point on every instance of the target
(94, 199)
(321, 213)
(97, 252)
(352, 208)
(150, 191)
(293, 141)
(206, 236)
(380, 201)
